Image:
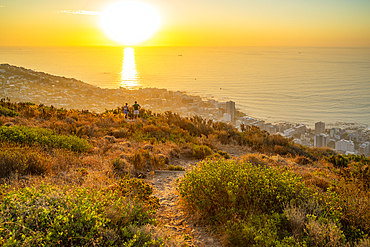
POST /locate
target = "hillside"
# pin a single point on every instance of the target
(73, 177)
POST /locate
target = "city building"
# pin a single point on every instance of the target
(300, 129)
(289, 132)
(321, 140)
(364, 148)
(227, 117)
(230, 109)
(319, 128)
(332, 132)
(345, 146)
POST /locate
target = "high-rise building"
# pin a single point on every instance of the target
(332, 132)
(319, 128)
(230, 109)
(321, 140)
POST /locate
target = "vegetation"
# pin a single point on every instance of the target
(29, 136)
(54, 216)
(7, 112)
(175, 168)
(23, 160)
(70, 177)
(262, 204)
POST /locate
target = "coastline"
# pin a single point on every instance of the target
(19, 84)
(295, 85)
(26, 85)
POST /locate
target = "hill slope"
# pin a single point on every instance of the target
(271, 192)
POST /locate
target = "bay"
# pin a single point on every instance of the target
(276, 84)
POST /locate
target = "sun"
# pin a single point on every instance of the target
(129, 22)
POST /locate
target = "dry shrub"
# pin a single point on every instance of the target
(170, 239)
(322, 183)
(158, 161)
(122, 166)
(296, 217)
(175, 151)
(211, 141)
(122, 133)
(364, 243)
(302, 160)
(23, 161)
(104, 145)
(255, 159)
(106, 122)
(137, 160)
(91, 130)
(99, 178)
(356, 210)
(93, 161)
(278, 160)
(223, 136)
(201, 151)
(281, 150)
(323, 233)
(63, 160)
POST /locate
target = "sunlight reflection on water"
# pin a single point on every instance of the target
(129, 73)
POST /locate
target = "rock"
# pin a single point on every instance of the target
(111, 139)
(175, 154)
(119, 133)
(187, 152)
(127, 144)
(9, 124)
(94, 150)
(70, 120)
(148, 147)
(164, 157)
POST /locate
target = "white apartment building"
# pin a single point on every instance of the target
(321, 140)
(364, 148)
(300, 129)
(345, 146)
(289, 132)
(227, 117)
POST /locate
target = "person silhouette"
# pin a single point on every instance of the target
(136, 107)
(125, 110)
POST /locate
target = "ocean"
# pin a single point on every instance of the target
(275, 84)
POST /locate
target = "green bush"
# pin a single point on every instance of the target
(201, 151)
(228, 193)
(137, 189)
(51, 216)
(30, 135)
(175, 168)
(8, 112)
(338, 160)
(259, 230)
(220, 154)
(236, 188)
(137, 159)
(24, 161)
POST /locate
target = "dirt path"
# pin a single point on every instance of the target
(171, 214)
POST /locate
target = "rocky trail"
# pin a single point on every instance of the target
(171, 214)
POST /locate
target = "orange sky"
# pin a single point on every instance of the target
(197, 23)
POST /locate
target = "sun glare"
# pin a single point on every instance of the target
(129, 73)
(129, 22)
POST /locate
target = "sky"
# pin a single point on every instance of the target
(317, 23)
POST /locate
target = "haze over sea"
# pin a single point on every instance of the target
(293, 84)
